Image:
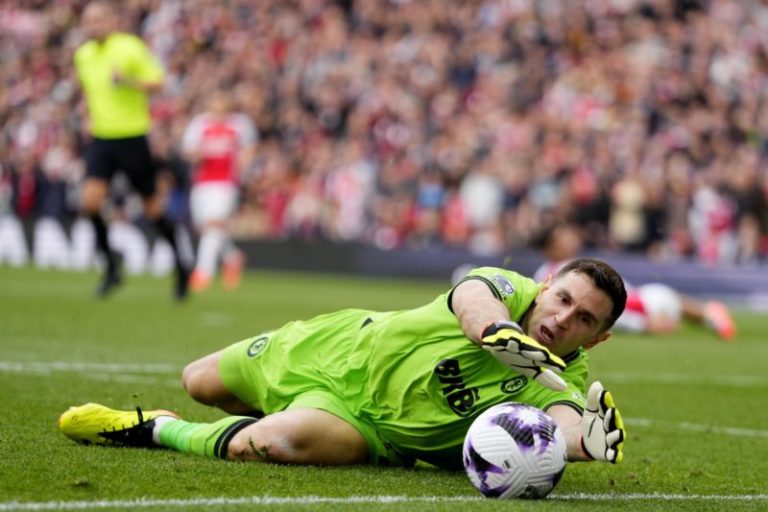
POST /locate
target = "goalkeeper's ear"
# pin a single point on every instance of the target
(601, 337)
(544, 287)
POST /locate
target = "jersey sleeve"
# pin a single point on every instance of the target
(79, 58)
(574, 396)
(145, 65)
(514, 290)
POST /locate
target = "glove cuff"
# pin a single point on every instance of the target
(584, 449)
(495, 327)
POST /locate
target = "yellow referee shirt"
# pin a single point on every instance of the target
(116, 111)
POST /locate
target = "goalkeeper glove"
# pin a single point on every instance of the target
(602, 430)
(507, 342)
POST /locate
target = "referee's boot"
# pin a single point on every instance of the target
(113, 276)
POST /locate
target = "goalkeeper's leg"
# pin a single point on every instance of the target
(300, 436)
(297, 436)
(202, 380)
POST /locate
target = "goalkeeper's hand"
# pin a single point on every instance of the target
(602, 430)
(507, 342)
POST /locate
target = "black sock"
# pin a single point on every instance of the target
(102, 240)
(166, 228)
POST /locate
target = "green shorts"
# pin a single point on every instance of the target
(280, 370)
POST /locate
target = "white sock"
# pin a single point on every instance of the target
(227, 247)
(208, 251)
(159, 422)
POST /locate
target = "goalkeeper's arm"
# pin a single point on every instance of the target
(476, 307)
(485, 320)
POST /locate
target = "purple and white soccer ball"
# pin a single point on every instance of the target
(514, 450)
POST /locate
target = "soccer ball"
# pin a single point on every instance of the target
(514, 450)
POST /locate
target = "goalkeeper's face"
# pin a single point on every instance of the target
(570, 312)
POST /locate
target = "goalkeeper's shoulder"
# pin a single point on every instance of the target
(508, 286)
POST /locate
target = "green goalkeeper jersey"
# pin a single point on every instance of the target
(427, 382)
(409, 381)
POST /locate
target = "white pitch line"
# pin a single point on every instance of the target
(149, 374)
(64, 366)
(658, 497)
(698, 427)
(211, 319)
(319, 500)
(133, 379)
(736, 381)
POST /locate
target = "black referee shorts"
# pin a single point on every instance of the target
(104, 157)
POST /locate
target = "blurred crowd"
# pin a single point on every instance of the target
(434, 123)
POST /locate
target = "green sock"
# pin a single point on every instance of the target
(209, 439)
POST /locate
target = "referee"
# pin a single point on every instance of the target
(117, 72)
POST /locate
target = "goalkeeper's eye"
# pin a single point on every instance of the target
(588, 319)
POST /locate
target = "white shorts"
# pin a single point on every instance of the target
(661, 306)
(659, 300)
(212, 202)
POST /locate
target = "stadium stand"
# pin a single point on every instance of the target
(434, 124)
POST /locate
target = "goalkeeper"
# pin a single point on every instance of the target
(391, 388)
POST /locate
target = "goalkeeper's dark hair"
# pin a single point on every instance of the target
(605, 278)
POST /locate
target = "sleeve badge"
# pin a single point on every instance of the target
(504, 286)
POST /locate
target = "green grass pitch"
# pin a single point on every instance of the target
(696, 408)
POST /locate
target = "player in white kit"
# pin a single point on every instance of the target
(219, 143)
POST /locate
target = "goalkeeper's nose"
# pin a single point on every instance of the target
(563, 319)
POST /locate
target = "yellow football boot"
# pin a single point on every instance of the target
(97, 424)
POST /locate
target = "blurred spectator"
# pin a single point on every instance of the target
(440, 123)
(26, 178)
